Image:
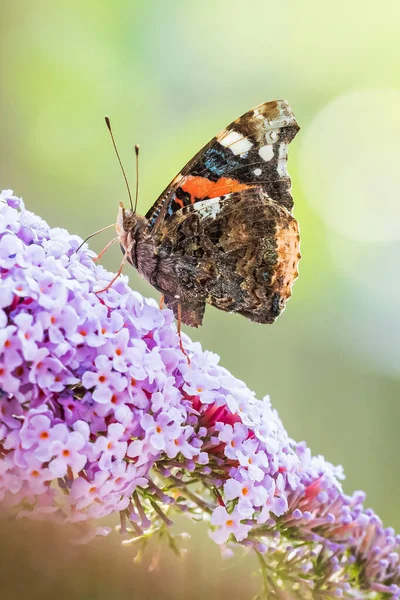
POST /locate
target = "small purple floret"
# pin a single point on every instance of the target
(100, 413)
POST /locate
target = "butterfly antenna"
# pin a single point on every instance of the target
(92, 234)
(137, 175)
(107, 120)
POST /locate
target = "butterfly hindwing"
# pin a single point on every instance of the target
(250, 153)
(238, 252)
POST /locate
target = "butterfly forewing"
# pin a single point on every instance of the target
(250, 153)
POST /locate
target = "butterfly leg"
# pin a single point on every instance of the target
(98, 257)
(161, 301)
(125, 258)
(180, 333)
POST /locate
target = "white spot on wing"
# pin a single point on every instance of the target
(271, 136)
(257, 113)
(282, 160)
(208, 208)
(257, 172)
(279, 122)
(236, 142)
(266, 152)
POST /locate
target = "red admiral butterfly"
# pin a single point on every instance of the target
(222, 232)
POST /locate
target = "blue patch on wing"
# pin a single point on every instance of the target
(154, 217)
(218, 160)
(170, 211)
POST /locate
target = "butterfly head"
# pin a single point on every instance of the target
(128, 225)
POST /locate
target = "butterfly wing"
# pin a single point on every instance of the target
(250, 153)
(238, 252)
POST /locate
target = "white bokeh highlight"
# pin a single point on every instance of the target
(350, 165)
(368, 302)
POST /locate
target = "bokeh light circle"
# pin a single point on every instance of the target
(349, 165)
(367, 302)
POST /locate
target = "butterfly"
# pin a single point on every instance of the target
(222, 232)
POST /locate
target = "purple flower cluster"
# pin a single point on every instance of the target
(100, 413)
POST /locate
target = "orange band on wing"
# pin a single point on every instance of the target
(201, 187)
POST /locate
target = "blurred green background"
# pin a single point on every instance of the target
(171, 74)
